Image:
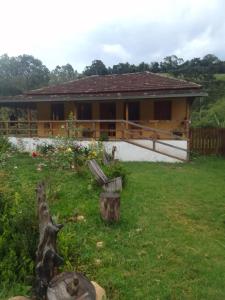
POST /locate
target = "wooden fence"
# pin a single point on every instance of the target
(207, 141)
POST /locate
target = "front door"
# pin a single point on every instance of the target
(108, 112)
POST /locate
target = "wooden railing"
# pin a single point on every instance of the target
(96, 129)
(86, 129)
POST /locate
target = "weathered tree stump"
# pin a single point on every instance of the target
(49, 285)
(47, 259)
(109, 158)
(71, 286)
(110, 206)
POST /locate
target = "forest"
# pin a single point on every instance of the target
(25, 72)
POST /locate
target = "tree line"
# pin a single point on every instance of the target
(25, 72)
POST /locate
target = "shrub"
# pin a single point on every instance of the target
(4, 144)
(104, 137)
(45, 148)
(5, 148)
(18, 237)
(116, 169)
(67, 153)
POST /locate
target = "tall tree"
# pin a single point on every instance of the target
(155, 67)
(63, 74)
(170, 63)
(122, 68)
(142, 67)
(96, 68)
(21, 73)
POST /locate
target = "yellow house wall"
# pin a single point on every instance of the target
(147, 110)
(179, 109)
(43, 113)
(179, 113)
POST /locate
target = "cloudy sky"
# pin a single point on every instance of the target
(77, 32)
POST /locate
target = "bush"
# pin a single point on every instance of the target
(5, 148)
(45, 148)
(116, 169)
(213, 116)
(4, 144)
(18, 237)
(67, 153)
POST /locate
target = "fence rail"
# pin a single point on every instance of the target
(114, 129)
(207, 141)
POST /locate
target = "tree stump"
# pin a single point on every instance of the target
(49, 285)
(110, 206)
(47, 259)
(71, 286)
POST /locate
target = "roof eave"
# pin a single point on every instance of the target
(55, 98)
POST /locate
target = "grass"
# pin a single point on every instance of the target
(220, 77)
(170, 242)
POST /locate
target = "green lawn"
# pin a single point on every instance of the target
(170, 242)
(220, 77)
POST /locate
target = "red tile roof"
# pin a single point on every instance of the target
(125, 83)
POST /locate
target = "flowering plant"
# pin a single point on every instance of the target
(5, 149)
(67, 153)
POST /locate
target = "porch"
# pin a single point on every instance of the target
(114, 120)
(95, 129)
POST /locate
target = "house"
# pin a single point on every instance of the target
(143, 109)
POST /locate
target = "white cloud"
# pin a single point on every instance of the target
(116, 50)
(197, 47)
(61, 31)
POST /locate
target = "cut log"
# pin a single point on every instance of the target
(110, 206)
(113, 185)
(107, 157)
(108, 185)
(100, 292)
(71, 286)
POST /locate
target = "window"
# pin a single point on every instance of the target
(84, 111)
(162, 110)
(58, 111)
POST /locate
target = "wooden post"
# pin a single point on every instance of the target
(154, 144)
(187, 129)
(75, 111)
(110, 206)
(127, 114)
(51, 128)
(29, 121)
(7, 128)
(123, 130)
(68, 123)
(94, 130)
